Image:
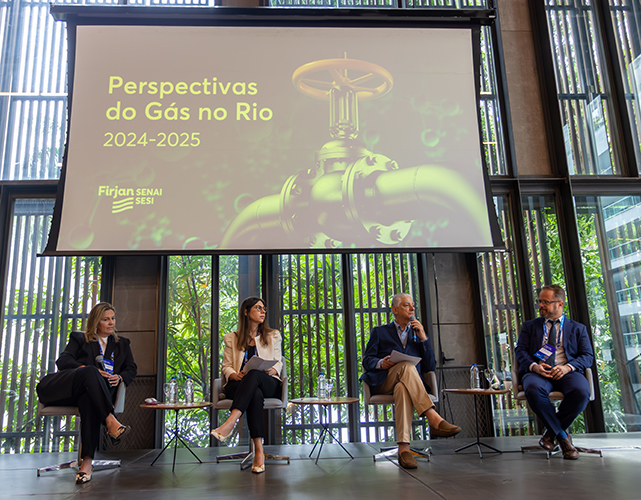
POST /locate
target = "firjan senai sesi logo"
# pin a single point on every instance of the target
(125, 198)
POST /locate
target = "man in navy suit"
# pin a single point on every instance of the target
(563, 371)
(406, 335)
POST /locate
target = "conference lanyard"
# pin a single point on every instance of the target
(108, 363)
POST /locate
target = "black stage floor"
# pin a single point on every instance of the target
(449, 475)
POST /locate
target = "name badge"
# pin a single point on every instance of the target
(109, 366)
(545, 352)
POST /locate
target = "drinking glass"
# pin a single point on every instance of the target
(330, 385)
(166, 388)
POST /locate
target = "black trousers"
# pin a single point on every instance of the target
(249, 394)
(92, 396)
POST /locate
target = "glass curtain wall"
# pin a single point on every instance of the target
(189, 339)
(586, 106)
(502, 322)
(376, 278)
(189, 332)
(610, 231)
(626, 23)
(45, 299)
(311, 288)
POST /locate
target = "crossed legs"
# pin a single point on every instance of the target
(404, 382)
(248, 395)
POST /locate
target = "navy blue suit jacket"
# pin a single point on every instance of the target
(382, 341)
(576, 343)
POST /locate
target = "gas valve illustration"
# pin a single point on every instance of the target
(352, 197)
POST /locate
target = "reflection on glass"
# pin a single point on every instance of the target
(544, 249)
(626, 20)
(610, 232)
(502, 322)
(580, 78)
(189, 337)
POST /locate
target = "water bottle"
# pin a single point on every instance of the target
(189, 391)
(322, 386)
(173, 391)
(475, 378)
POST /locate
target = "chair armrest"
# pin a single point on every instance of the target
(216, 389)
(367, 393)
(588, 375)
(284, 397)
(119, 405)
(430, 379)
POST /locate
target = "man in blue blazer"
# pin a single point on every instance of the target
(563, 371)
(406, 335)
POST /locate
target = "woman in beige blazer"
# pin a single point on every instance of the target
(249, 389)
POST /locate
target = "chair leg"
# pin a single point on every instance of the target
(78, 461)
(392, 451)
(589, 450)
(548, 453)
(234, 456)
(557, 449)
(246, 458)
(63, 465)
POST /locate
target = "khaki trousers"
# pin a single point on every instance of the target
(404, 382)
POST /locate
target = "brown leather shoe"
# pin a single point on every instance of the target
(445, 429)
(547, 441)
(568, 449)
(407, 460)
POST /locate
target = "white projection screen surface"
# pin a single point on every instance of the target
(223, 139)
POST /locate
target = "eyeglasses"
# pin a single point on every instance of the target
(546, 302)
(260, 308)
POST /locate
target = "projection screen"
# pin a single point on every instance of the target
(224, 139)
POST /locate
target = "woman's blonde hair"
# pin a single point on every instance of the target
(95, 315)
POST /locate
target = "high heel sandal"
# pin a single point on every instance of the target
(219, 436)
(120, 432)
(83, 477)
(258, 469)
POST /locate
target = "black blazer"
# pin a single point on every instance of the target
(57, 386)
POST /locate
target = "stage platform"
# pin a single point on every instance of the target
(451, 476)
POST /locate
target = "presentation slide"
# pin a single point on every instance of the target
(184, 139)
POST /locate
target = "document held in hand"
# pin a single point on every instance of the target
(257, 363)
(397, 357)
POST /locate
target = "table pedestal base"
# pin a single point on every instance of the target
(478, 441)
(321, 439)
(175, 438)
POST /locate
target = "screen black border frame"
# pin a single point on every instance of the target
(119, 15)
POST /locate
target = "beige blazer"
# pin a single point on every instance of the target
(233, 357)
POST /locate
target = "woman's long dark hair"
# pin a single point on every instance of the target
(244, 335)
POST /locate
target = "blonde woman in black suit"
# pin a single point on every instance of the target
(89, 384)
(249, 389)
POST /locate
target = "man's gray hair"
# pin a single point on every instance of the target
(559, 293)
(396, 300)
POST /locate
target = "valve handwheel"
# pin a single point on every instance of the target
(367, 79)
